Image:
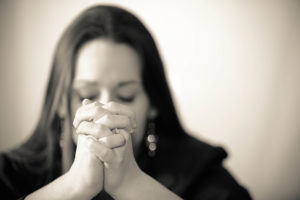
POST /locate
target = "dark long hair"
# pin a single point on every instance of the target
(122, 27)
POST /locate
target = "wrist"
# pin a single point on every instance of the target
(74, 188)
(128, 189)
(145, 187)
(61, 188)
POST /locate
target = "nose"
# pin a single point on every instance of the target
(105, 96)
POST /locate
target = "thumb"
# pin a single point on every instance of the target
(86, 102)
(124, 133)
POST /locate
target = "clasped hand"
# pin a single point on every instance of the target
(104, 156)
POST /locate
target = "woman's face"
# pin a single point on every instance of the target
(108, 71)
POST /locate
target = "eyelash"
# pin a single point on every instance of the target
(90, 98)
(124, 99)
(127, 99)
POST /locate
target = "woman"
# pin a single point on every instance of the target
(108, 128)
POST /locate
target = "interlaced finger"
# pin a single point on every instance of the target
(93, 129)
(89, 112)
(113, 141)
(116, 121)
(120, 109)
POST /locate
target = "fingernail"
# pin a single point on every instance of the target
(104, 139)
(85, 102)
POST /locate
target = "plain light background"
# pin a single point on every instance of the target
(233, 67)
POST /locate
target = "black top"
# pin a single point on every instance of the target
(190, 168)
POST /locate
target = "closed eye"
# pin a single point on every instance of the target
(81, 97)
(92, 98)
(126, 99)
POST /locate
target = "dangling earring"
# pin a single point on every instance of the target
(151, 139)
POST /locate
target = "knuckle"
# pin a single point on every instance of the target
(98, 109)
(130, 112)
(109, 117)
(99, 129)
(95, 103)
(95, 112)
(90, 143)
(106, 154)
(130, 130)
(108, 143)
(126, 119)
(79, 129)
(83, 124)
(122, 139)
(75, 121)
(127, 136)
(120, 159)
(79, 111)
(133, 115)
(106, 118)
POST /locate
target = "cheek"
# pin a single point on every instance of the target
(75, 105)
(141, 109)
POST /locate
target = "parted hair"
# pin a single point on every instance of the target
(38, 152)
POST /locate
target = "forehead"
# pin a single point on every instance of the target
(102, 60)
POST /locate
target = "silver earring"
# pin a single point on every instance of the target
(151, 139)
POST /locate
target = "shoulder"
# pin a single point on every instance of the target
(194, 170)
(15, 178)
(10, 177)
(217, 183)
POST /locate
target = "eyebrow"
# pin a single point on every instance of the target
(96, 83)
(85, 82)
(124, 83)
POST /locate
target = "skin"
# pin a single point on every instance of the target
(100, 78)
(108, 128)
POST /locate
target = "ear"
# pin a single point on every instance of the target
(152, 113)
